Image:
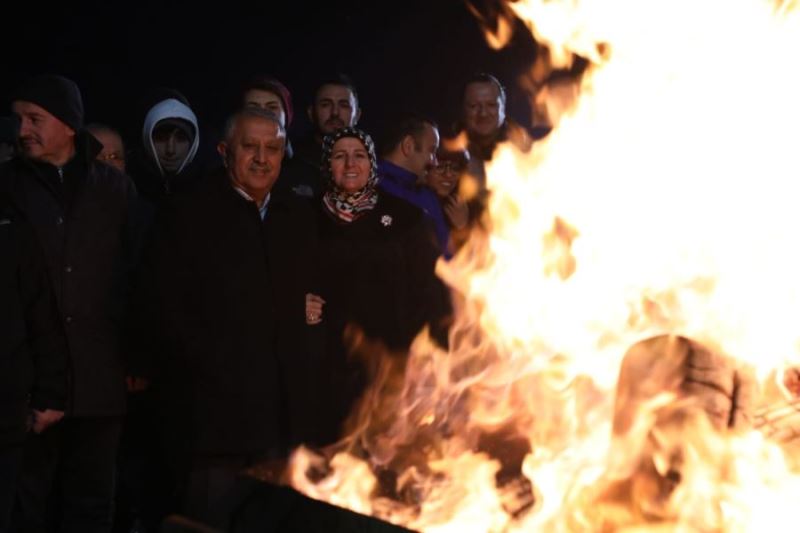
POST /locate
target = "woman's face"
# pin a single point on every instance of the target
(350, 164)
(443, 178)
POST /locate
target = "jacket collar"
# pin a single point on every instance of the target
(403, 177)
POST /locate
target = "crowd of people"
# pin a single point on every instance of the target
(166, 323)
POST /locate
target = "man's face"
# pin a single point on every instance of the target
(253, 155)
(42, 136)
(334, 107)
(266, 100)
(172, 145)
(423, 156)
(484, 111)
(113, 152)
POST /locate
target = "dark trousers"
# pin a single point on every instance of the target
(10, 460)
(145, 486)
(212, 485)
(67, 477)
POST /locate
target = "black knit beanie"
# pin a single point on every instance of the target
(58, 95)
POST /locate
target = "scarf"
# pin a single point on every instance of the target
(343, 205)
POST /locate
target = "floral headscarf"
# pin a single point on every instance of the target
(344, 205)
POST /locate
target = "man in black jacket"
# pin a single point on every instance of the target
(221, 300)
(82, 214)
(33, 350)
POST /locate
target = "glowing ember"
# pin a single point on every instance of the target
(664, 202)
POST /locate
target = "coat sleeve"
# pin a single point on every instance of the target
(43, 325)
(431, 303)
(159, 295)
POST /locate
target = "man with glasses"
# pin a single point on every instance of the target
(113, 152)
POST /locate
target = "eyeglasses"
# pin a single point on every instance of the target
(451, 166)
(113, 156)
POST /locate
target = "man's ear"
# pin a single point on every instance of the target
(222, 150)
(357, 117)
(310, 112)
(407, 145)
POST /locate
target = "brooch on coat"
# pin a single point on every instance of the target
(386, 220)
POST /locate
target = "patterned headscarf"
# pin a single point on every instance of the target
(341, 204)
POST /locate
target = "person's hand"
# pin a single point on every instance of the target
(457, 211)
(135, 384)
(314, 305)
(44, 419)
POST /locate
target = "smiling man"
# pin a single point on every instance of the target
(408, 152)
(222, 299)
(252, 152)
(485, 122)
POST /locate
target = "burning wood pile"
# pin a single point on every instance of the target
(624, 325)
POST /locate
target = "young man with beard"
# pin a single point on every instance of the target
(335, 106)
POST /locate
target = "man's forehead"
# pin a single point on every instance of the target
(23, 106)
(335, 92)
(481, 89)
(169, 125)
(431, 131)
(252, 126)
(106, 136)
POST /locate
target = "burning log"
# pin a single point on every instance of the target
(672, 392)
(697, 376)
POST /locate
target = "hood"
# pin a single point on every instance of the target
(169, 108)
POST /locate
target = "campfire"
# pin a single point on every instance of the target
(626, 321)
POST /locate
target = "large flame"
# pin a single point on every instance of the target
(664, 202)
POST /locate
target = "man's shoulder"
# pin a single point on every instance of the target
(110, 177)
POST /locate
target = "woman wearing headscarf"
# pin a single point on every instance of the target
(375, 270)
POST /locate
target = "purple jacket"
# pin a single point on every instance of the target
(402, 183)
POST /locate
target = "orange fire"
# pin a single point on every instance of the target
(664, 203)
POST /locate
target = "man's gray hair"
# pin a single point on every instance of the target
(251, 112)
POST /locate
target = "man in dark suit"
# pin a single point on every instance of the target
(221, 303)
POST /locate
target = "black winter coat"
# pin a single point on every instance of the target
(220, 307)
(376, 273)
(83, 218)
(33, 350)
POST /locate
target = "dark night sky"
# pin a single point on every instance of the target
(408, 55)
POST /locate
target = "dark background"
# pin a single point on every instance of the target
(406, 55)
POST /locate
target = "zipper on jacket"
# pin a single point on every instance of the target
(60, 174)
